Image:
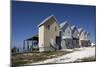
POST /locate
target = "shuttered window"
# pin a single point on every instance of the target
(48, 27)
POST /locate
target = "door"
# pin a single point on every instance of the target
(58, 42)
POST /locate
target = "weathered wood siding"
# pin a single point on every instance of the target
(66, 36)
(47, 35)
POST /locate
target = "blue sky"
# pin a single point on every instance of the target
(27, 15)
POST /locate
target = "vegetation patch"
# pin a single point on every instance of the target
(29, 57)
(86, 59)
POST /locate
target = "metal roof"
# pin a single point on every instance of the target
(35, 37)
(44, 21)
(80, 30)
(72, 27)
(63, 24)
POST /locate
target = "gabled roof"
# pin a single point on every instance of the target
(80, 30)
(63, 24)
(86, 33)
(73, 27)
(44, 21)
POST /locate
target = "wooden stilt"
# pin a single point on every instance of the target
(32, 46)
(27, 45)
(24, 45)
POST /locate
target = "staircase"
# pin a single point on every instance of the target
(54, 45)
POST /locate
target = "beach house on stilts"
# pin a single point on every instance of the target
(53, 36)
(86, 39)
(66, 35)
(75, 36)
(49, 39)
(83, 38)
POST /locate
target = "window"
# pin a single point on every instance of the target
(48, 27)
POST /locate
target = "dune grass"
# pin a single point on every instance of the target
(24, 58)
(86, 59)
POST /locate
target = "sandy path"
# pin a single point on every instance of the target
(71, 57)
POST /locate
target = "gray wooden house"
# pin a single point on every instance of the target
(86, 39)
(75, 36)
(66, 35)
(80, 30)
(83, 38)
